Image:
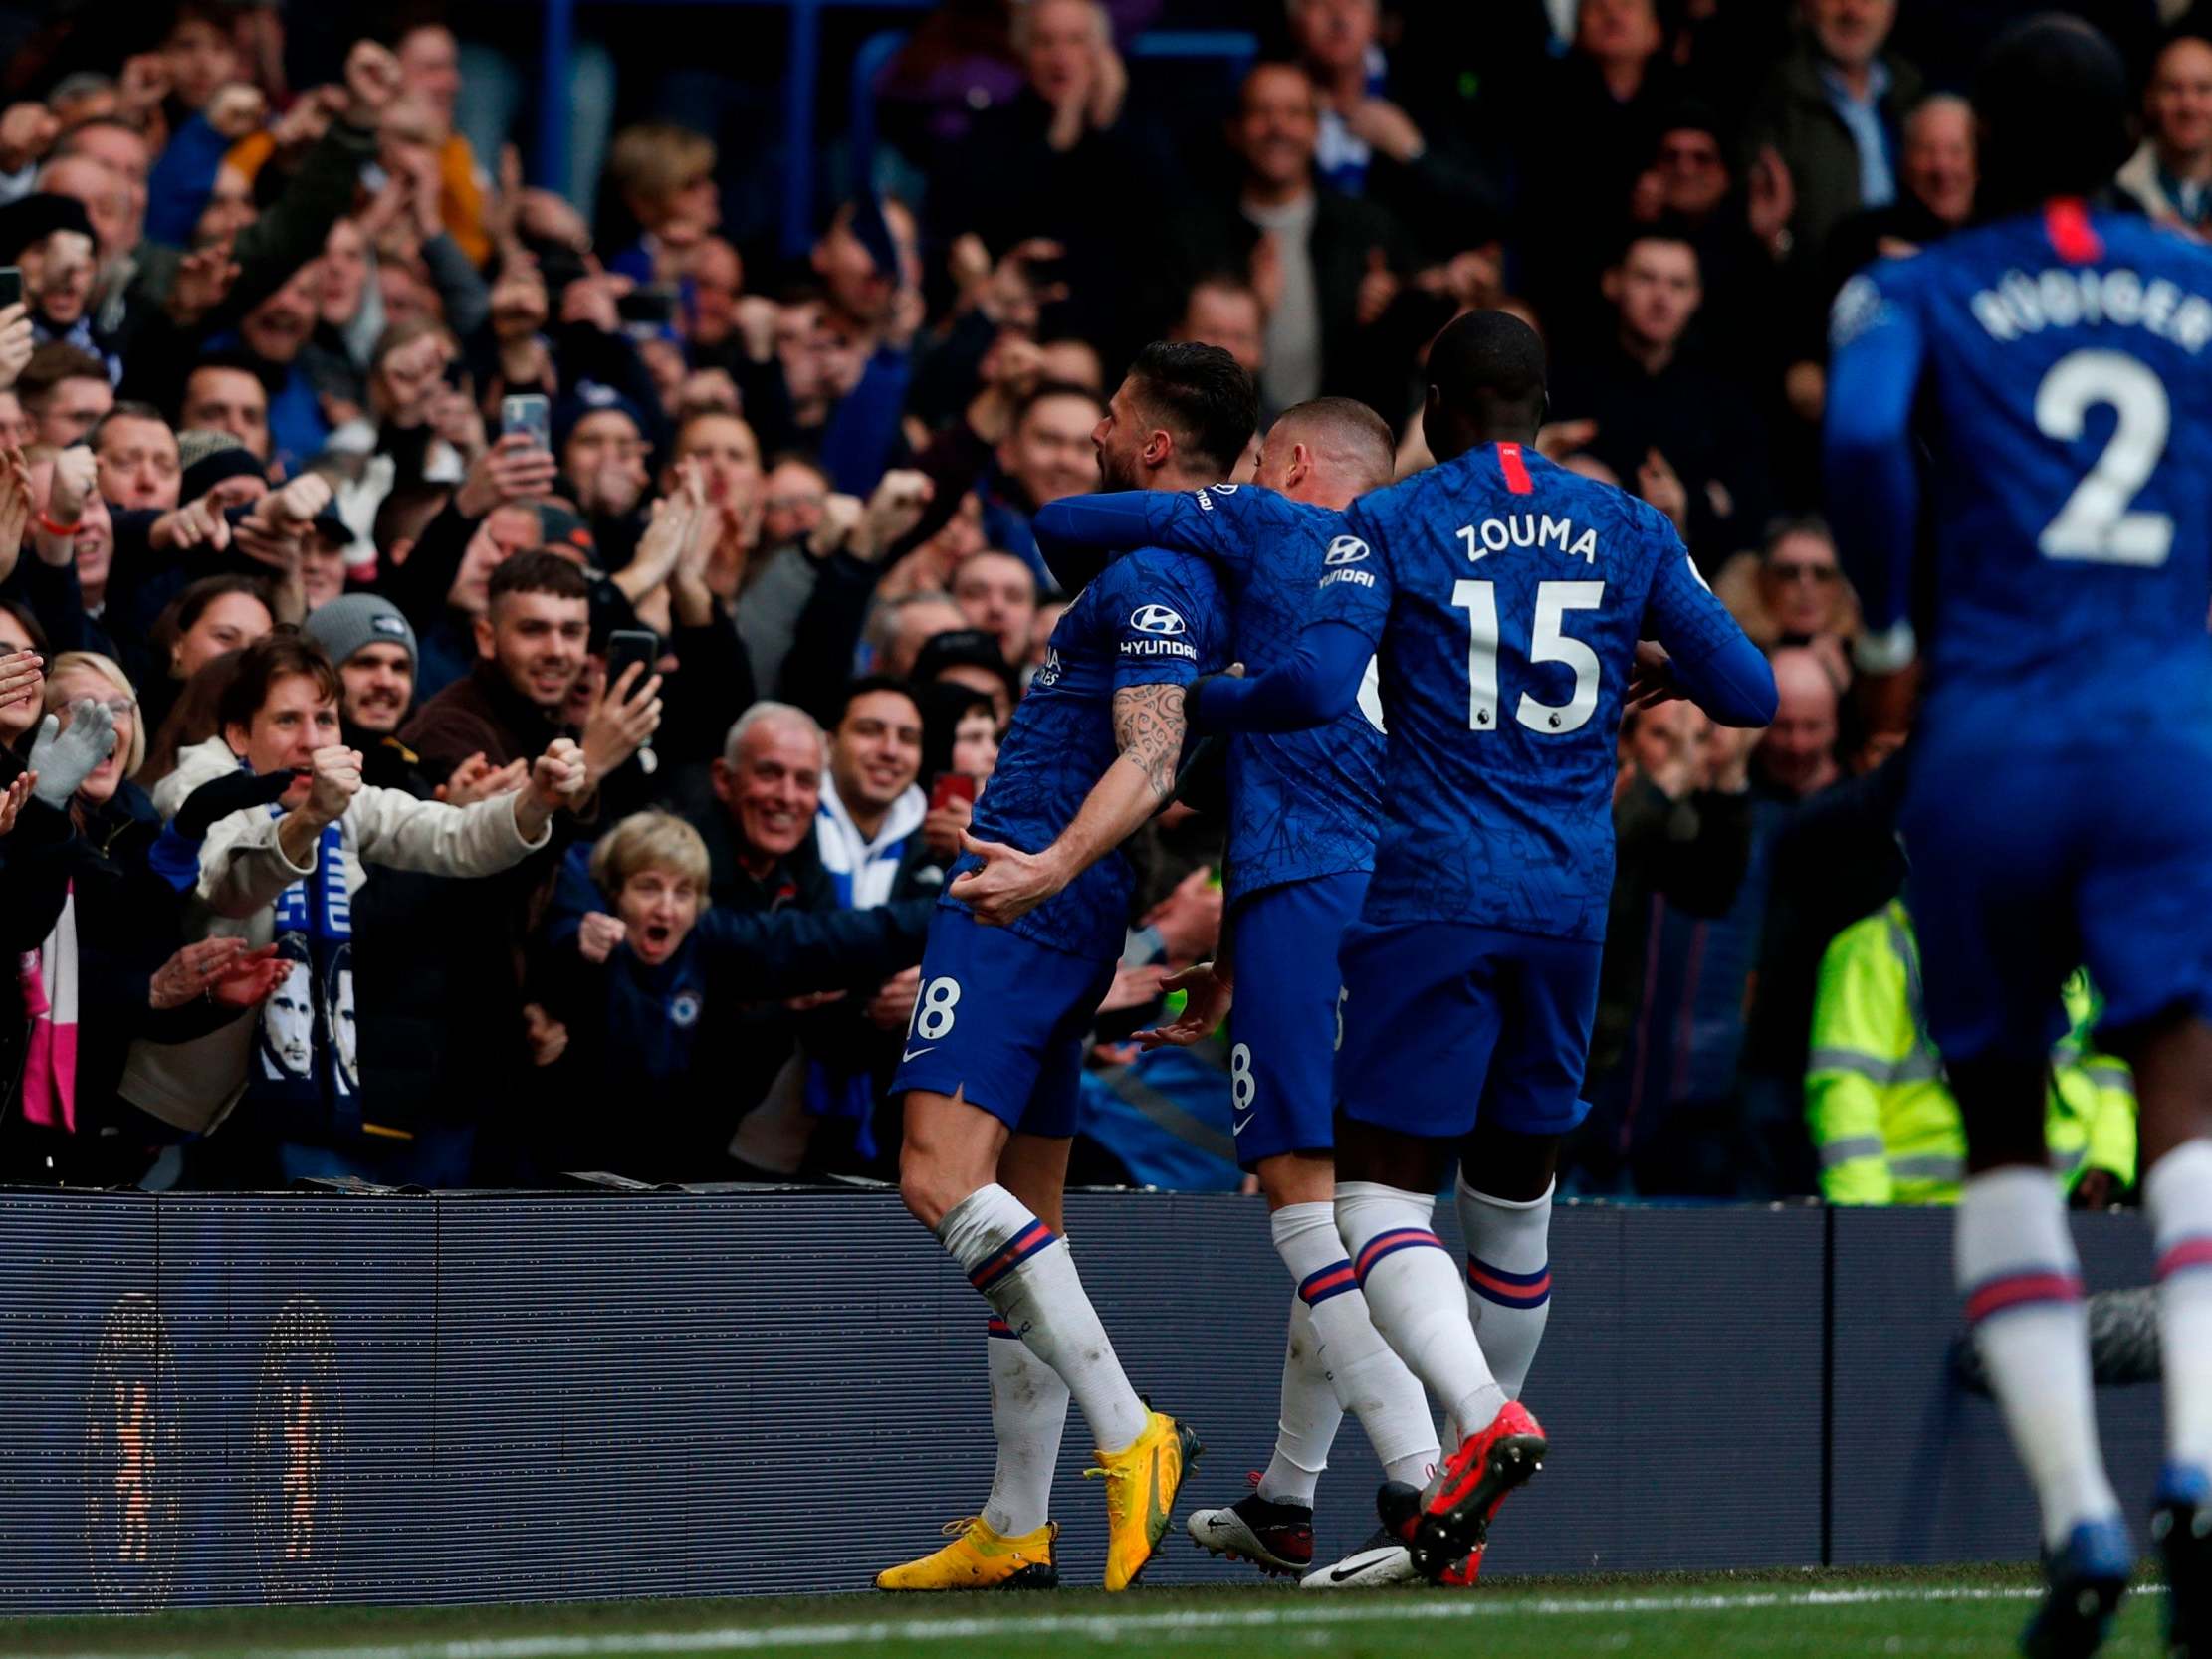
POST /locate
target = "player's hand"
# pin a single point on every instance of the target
(1011, 883)
(1208, 1001)
(1652, 682)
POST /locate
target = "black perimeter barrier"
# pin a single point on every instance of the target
(490, 1397)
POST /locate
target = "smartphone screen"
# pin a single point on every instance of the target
(11, 285)
(528, 413)
(628, 646)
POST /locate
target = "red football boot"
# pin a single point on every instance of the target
(1399, 1508)
(1457, 1509)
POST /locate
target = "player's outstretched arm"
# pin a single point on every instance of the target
(1148, 730)
(1075, 535)
(1315, 684)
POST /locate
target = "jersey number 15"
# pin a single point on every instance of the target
(1547, 643)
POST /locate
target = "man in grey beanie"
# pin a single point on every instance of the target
(374, 649)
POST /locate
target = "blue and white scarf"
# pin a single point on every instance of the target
(304, 1081)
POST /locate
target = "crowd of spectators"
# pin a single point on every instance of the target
(496, 676)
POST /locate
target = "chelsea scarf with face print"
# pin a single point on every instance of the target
(303, 1083)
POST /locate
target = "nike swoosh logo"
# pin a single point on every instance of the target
(1240, 1128)
(1159, 1505)
(914, 1053)
(1352, 1570)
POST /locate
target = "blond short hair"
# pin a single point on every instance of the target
(649, 841)
(91, 662)
(652, 161)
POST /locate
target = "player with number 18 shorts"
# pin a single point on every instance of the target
(1303, 812)
(1022, 949)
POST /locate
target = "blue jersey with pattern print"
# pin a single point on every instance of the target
(1152, 617)
(1302, 804)
(2062, 365)
(1506, 597)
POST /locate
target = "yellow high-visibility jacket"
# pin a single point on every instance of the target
(1884, 1121)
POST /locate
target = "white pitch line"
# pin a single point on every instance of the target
(1317, 1611)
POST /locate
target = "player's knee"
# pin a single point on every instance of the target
(927, 1186)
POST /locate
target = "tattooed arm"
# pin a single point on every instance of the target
(1148, 729)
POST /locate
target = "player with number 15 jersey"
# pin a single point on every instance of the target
(1505, 597)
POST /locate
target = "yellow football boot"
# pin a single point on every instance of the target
(1141, 1481)
(978, 1559)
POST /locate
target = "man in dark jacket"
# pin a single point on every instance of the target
(1325, 263)
(755, 811)
(1833, 110)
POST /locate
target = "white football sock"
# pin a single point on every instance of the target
(2177, 1197)
(1508, 1278)
(2022, 1287)
(1414, 1296)
(1310, 1414)
(1023, 1269)
(1029, 1410)
(1364, 1377)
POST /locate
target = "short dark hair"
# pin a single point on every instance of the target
(50, 365)
(234, 358)
(1664, 229)
(2053, 102)
(1488, 361)
(537, 572)
(1204, 393)
(270, 659)
(867, 685)
(131, 409)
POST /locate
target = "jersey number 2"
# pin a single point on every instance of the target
(2096, 525)
(1546, 644)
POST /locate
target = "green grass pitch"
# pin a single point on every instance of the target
(1951, 1612)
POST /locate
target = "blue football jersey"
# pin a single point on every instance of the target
(1302, 804)
(1506, 596)
(2060, 362)
(1152, 617)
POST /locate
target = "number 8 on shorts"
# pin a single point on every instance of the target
(933, 1009)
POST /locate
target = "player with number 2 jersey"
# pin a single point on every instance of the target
(2057, 362)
